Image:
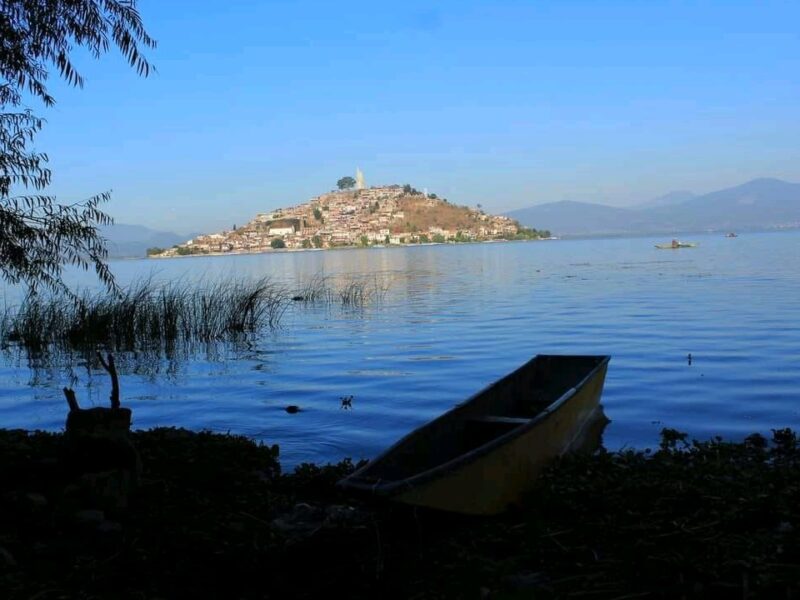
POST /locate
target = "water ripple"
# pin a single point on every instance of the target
(457, 318)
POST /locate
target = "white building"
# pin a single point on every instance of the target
(284, 230)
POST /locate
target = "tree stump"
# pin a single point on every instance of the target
(101, 459)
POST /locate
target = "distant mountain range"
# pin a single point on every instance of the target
(757, 204)
(669, 199)
(129, 241)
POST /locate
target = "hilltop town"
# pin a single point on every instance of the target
(358, 216)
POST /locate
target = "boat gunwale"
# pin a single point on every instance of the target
(386, 487)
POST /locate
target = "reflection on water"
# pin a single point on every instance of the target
(168, 361)
(455, 318)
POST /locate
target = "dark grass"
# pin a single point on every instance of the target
(701, 520)
(148, 314)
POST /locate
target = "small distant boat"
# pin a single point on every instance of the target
(731, 235)
(483, 455)
(676, 244)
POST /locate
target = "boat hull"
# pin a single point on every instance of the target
(499, 480)
(675, 247)
(493, 477)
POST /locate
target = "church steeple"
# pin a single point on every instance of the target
(360, 185)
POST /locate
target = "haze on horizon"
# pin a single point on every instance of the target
(508, 103)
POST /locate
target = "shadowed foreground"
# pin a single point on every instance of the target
(213, 517)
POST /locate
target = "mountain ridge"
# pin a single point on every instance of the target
(763, 203)
(125, 240)
(668, 199)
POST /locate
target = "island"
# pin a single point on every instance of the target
(358, 216)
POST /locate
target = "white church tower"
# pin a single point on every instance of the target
(360, 185)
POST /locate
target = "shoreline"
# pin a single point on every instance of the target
(213, 516)
(371, 247)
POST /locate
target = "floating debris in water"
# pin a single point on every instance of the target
(292, 408)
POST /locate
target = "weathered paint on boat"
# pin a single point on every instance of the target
(482, 456)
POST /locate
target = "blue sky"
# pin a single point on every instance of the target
(506, 103)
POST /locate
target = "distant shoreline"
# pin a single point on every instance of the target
(375, 247)
(670, 234)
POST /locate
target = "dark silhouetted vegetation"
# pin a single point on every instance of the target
(146, 313)
(39, 235)
(214, 517)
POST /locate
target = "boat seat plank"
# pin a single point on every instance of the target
(499, 419)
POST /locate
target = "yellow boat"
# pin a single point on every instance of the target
(482, 456)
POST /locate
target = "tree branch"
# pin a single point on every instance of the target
(71, 399)
(112, 370)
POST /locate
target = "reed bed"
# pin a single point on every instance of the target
(350, 292)
(148, 314)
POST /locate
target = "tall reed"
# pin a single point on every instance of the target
(348, 291)
(145, 313)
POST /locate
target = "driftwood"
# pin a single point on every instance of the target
(112, 371)
(100, 452)
(71, 399)
(108, 365)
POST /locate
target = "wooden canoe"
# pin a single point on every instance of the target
(483, 455)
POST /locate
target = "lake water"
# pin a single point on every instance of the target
(454, 319)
